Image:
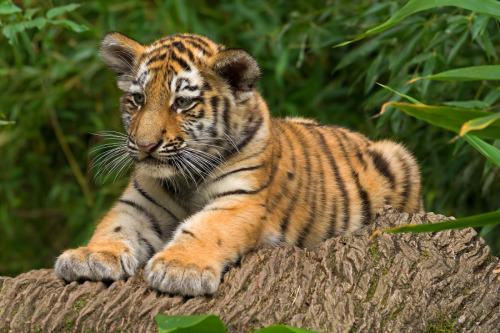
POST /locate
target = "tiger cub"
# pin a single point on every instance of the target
(215, 176)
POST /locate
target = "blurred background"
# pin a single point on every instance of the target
(55, 92)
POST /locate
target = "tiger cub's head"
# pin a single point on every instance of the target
(181, 100)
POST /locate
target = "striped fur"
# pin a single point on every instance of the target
(215, 176)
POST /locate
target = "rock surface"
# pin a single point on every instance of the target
(392, 283)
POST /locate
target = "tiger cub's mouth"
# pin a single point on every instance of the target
(152, 160)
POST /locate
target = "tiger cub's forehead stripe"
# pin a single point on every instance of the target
(141, 80)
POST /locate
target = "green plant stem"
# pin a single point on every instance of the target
(71, 158)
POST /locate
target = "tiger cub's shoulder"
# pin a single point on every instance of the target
(300, 120)
(309, 125)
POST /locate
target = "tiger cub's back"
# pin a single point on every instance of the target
(334, 180)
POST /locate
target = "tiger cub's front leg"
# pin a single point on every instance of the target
(193, 262)
(129, 234)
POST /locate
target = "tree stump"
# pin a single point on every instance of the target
(396, 282)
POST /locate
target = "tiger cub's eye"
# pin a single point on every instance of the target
(139, 98)
(182, 102)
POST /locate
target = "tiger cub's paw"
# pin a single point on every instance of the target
(108, 262)
(172, 275)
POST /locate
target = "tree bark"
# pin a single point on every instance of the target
(392, 283)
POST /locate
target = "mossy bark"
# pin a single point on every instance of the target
(396, 282)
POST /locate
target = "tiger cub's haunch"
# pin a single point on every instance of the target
(215, 176)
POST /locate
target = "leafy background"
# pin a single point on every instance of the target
(55, 92)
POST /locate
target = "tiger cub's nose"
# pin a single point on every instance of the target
(148, 148)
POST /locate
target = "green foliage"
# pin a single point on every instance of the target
(16, 23)
(480, 220)
(55, 91)
(451, 118)
(484, 124)
(187, 324)
(486, 7)
(473, 73)
(210, 324)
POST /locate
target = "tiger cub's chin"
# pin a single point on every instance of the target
(155, 169)
(232, 177)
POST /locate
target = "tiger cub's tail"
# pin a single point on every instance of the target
(402, 171)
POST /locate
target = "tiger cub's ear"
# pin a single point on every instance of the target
(240, 69)
(119, 52)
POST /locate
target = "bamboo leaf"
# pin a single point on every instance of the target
(39, 23)
(59, 10)
(474, 73)
(473, 104)
(190, 324)
(450, 118)
(28, 14)
(70, 25)
(210, 324)
(479, 123)
(487, 7)
(490, 152)
(10, 31)
(411, 99)
(481, 220)
(7, 7)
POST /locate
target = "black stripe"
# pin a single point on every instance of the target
(338, 129)
(239, 192)
(354, 145)
(154, 222)
(365, 201)
(357, 134)
(197, 99)
(231, 151)
(149, 248)
(237, 170)
(249, 132)
(341, 185)
(190, 56)
(406, 185)
(199, 43)
(191, 88)
(323, 201)
(220, 208)
(179, 46)
(200, 114)
(214, 102)
(200, 47)
(207, 86)
(311, 199)
(179, 82)
(187, 232)
(180, 61)
(285, 221)
(247, 192)
(156, 57)
(382, 166)
(153, 201)
(196, 38)
(226, 116)
(272, 173)
(273, 203)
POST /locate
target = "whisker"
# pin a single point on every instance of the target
(206, 166)
(231, 142)
(182, 162)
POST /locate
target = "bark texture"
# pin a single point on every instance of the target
(394, 283)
